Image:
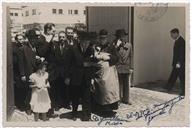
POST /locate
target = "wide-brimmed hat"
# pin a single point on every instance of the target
(103, 33)
(120, 32)
(83, 35)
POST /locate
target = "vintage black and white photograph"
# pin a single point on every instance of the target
(96, 64)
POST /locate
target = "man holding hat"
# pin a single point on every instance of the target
(123, 65)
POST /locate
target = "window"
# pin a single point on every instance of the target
(11, 14)
(75, 12)
(84, 12)
(27, 13)
(16, 14)
(54, 11)
(69, 11)
(60, 11)
(34, 12)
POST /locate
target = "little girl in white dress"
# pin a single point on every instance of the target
(40, 100)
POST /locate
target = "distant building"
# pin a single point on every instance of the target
(59, 14)
(30, 16)
(16, 20)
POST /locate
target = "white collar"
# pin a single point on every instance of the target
(47, 37)
(177, 38)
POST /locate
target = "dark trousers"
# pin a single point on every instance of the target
(75, 95)
(28, 96)
(59, 93)
(19, 95)
(86, 101)
(81, 91)
(124, 87)
(177, 73)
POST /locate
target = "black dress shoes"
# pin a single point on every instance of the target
(28, 112)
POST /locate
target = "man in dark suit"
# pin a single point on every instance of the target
(43, 41)
(178, 62)
(80, 82)
(49, 32)
(42, 47)
(17, 69)
(29, 65)
(59, 65)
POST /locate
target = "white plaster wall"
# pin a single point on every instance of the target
(153, 46)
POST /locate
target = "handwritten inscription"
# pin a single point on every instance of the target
(147, 114)
(114, 121)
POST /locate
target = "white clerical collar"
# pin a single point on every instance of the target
(177, 38)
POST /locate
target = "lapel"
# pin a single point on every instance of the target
(29, 55)
(79, 54)
(80, 49)
(58, 49)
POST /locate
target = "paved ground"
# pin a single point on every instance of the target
(143, 101)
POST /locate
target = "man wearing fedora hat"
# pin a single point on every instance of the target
(123, 64)
(80, 76)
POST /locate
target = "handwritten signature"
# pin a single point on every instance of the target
(158, 109)
(114, 121)
(147, 114)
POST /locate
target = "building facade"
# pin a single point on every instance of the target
(16, 24)
(37, 15)
(59, 14)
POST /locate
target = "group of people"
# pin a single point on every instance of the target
(75, 67)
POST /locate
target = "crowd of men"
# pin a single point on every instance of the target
(69, 58)
(82, 68)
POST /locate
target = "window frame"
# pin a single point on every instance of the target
(54, 10)
(60, 11)
(27, 13)
(16, 14)
(76, 12)
(70, 12)
(34, 11)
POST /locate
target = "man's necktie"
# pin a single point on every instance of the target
(61, 49)
(33, 49)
